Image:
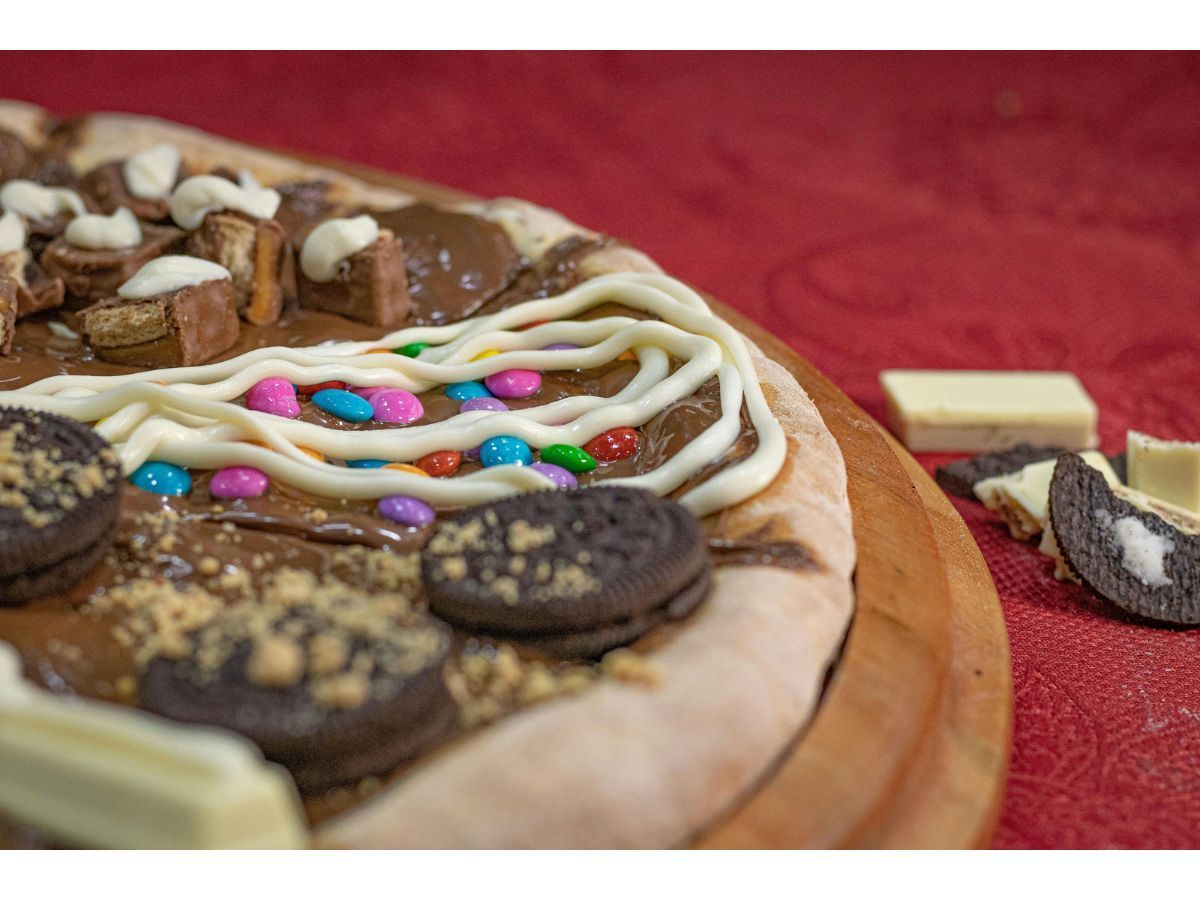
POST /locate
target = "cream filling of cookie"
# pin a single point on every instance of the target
(188, 416)
(120, 231)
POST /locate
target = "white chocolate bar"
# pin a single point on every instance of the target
(971, 412)
(1023, 497)
(94, 774)
(1168, 470)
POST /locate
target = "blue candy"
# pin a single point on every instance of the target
(505, 450)
(161, 478)
(467, 390)
(343, 404)
(366, 463)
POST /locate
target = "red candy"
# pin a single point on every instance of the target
(615, 444)
(307, 390)
(441, 463)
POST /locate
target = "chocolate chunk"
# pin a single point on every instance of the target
(959, 477)
(257, 255)
(456, 262)
(302, 206)
(373, 287)
(59, 501)
(8, 313)
(182, 328)
(1142, 565)
(553, 565)
(91, 275)
(14, 155)
(105, 188)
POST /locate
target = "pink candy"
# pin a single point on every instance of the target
(238, 483)
(514, 383)
(368, 392)
(275, 396)
(396, 407)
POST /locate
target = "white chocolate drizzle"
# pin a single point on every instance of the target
(170, 273)
(120, 231)
(200, 195)
(333, 242)
(188, 416)
(38, 202)
(12, 233)
(151, 174)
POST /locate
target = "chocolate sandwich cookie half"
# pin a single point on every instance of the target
(960, 477)
(59, 501)
(1134, 559)
(575, 573)
(332, 682)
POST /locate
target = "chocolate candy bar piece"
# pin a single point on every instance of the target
(8, 313)
(302, 206)
(373, 288)
(104, 187)
(257, 254)
(14, 155)
(181, 328)
(36, 291)
(91, 275)
(968, 412)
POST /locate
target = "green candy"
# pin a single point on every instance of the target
(573, 459)
(411, 350)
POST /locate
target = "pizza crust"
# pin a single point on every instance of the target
(619, 765)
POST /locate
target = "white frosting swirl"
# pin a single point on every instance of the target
(120, 231)
(12, 232)
(334, 241)
(38, 202)
(190, 417)
(151, 174)
(170, 273)
(200, 195)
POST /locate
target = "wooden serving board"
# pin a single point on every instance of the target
(910, 746)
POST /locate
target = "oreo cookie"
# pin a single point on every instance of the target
(959, 477)
(60, 495)
(575, 573)
(335, 686)
(1143, 566)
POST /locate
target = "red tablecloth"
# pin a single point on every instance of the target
(981, 211)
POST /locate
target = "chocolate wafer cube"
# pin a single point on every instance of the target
(372, 287)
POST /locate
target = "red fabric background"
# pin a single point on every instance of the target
(1031, 211)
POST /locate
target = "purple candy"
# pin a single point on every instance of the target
(561, 347)
(473, 453)
(557, 474)
(368, 392)
(396, 407)
(514, 383)
(406, 510)
(276, 396)
(491, 404)
(238, 483)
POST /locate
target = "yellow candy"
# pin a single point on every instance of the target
(484, 355)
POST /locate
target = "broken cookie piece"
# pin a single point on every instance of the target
(176, 311)
(96, 254)
(960, 477)
(1023, 497)
(142, 183)
(232, 225)
(352, 268)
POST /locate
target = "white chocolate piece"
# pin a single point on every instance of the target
(200, 195)
(333, 242)
(151, 174)
(12, 233)
(170, 273)
(95, 774)
(1169, 470)
(1023, 497)
(972, 412)
(39, 203)
(120, 231)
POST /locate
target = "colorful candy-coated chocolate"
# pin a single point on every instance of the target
(344, 405)
(276, 396)
(504, 450)
(561, 347)
(440, 463)
(396, 407)
(238, 483)
(161, 478)
(307, 390)
(613, 445)
(573, 459)
(472, 453)
(368, 392)
(467, 390)
(405, 467)
(406, 510)
(514, 383)
(491, 404)
(484, 355)
(560, 476)
(413, 350)
(366, 463)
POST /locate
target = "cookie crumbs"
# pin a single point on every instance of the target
(275, 662)
(626, 665)
(523, 537)
(209, 565)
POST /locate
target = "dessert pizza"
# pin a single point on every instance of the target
(337, 517)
